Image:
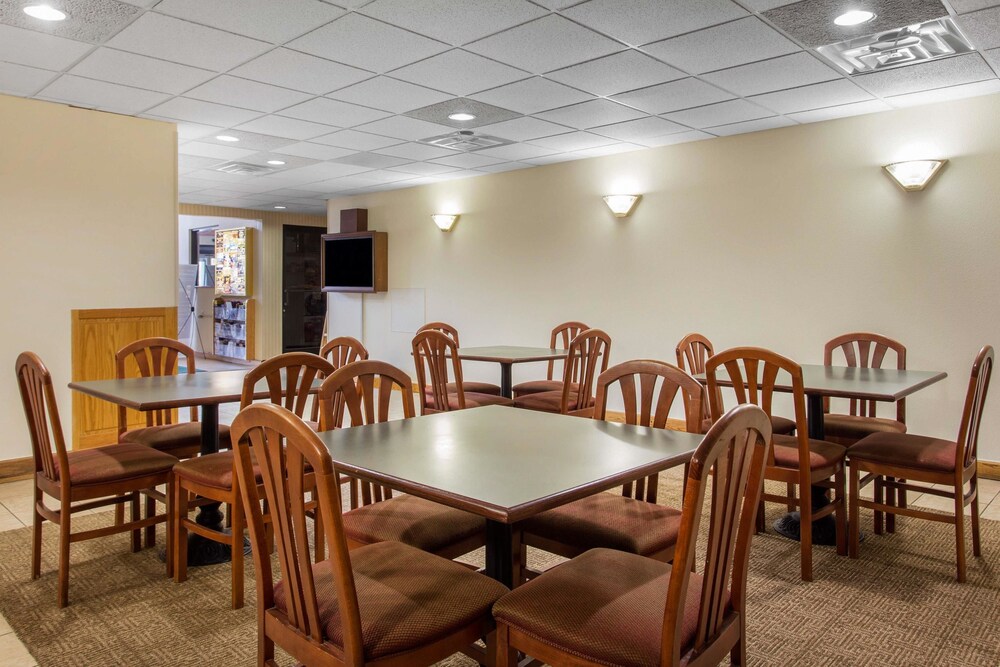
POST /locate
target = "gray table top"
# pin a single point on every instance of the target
(879, 384)
(510, 354)
(504, 463)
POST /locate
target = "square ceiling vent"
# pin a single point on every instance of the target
(243, 169)
(910, 45)
(466, 141)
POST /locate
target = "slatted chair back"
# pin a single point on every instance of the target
(340, 352)
(442, 327)
(692, 352)
(972, 413)
(866, 350)
(363, 392)
(433, 352)
(285, 448)
(733, 456)
(153, 357)
(589, 354)
(648, 390)
(42, 414)
(289, 379)
(562, 335)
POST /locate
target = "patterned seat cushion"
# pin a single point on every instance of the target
(821, 452)
(610, 521)
(538, 386)
(549, 401)
(905, 449)
(181, 440)
(849, 429)
(779, 425)
(407, 598)
(605, 606)
(215, 470)
(114, 463)
(472, 400)
(423, 524)
(470, 386)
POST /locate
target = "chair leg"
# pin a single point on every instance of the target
(853, 523)
(840, 514)
(134, 513)
(180, 532)
(790, 492)
(505, 656)
(119, 513)
(265, 645)
(960, 535)
(64, 532)
(760, 527)
(149, 535)
(891, 495)
(806, 533)
(237, 554)
(879, 496)
(169, 532)
(36, 536)
(976, 547)
(738, 655)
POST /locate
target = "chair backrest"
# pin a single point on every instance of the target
(562, 335)
(289, 379)
(972, 413)
(153, 357)
(433, 351)
(648, 389)
(363, 391)
(442, 327)
(42, 415)
(589, 354)
(866, 350)
(283, 446)
(692, 352)
(733, 456)
(340, 352)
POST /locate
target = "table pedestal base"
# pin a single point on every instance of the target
(824, 530)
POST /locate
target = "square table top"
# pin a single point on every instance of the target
(169, 391)
(504, 463)
(878, 384)
(510, 354)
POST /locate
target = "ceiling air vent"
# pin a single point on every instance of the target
(244, 169)
(466, 141)
(918, 43)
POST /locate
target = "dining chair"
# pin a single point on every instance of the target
(796, 460)
(560, 339)
(381, 604)
(469, 386)
(631, 521)
(82, 479)
(339, 352)
(433, 352)
(610, 607)
(939, 467)
(361, 392)
(289, 380)
(588, 356)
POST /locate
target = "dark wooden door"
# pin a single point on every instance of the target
(303, 302)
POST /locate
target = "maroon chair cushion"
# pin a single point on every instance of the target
(538, 386)
(423, 524)
(472, 400)
(215, 470)
(470, 386)
(114, 463)
(604, 606)
(609, 521)
(407, 598)
(181, 440)
(549, 401)
(849, 429)
(905, 449)
(782, 425)
(821, 452)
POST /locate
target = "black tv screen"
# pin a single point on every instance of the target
(348, 264)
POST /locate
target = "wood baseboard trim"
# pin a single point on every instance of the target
(988, 469)
(12, 470)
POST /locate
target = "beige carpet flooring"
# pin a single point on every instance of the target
(896, 605)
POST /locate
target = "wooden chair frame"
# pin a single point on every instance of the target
(692, 352)
(432, 351)
(340, 352)
(559, 339)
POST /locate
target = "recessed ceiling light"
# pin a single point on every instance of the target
(45, 13)
(276, 162)
(854, 17)
(280, 207)
(227, 137)
(461, 115)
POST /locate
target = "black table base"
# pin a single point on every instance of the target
(500, 552)
(506, 380)
(202, 551)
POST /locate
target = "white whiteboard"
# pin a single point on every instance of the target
(407, 306)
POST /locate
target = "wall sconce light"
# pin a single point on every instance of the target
(621, 205)
(914, 175)
(444, 221)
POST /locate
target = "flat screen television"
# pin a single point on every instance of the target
(355, 262)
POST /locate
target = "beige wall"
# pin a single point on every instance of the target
(88, 213)
(781, 239)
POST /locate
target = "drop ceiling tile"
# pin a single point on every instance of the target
(351, 40)
(626, 70)
(34, 49)
(204, 149)
(557, 4)
(290, 128)
(481, 112)
(188, 131)
(291, 161)
(100, 95)
(459, 73)
(300, 71)
(843, 111)
(816, 96)
(958, 70)
(503, 166)
(456, 22)
(993, 55)
(131, 69)
(314, 151)
(389, 94)
(733, 111)
(727, 45)
(639, 130)
(371, 160)
(384, 176)
(275, 22)
(424, 168)
(258, 142)
(610, 149)
(673, 96)
(179, 41)
(679, 138)
(402, 127)
(791, 71)
(358, 141)
(91, 21)
(317, 172)
(415, 151)
(532, 95)
(764, 5)
(987, 87)
(516, 152)
(966, 6)
(292, 193)
(23, 80)
(812, 23)
(524, 129)
(186, 163)
(246, 94)
(642, 21)
(548, 43)
(573, 141)
(551, 159)
(189, 183)
(141, 3)
(467, 160)
(196, 111)
(751, 126)
(591, 114)
(333, 112)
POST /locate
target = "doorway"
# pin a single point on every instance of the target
(303, 305)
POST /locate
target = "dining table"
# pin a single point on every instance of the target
(504, 464)
(507, 356)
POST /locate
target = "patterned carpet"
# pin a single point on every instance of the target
(897, 605)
